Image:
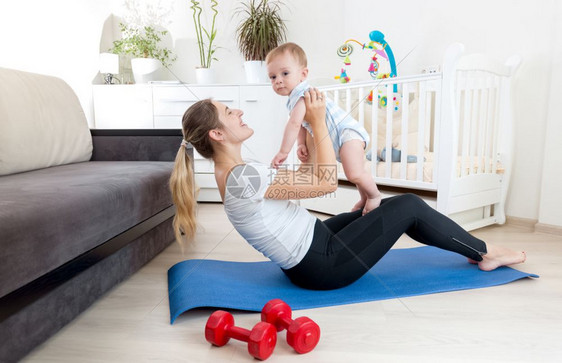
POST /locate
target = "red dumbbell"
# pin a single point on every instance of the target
(302, 333)
(261, 339)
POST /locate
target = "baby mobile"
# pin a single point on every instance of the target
(380, 48)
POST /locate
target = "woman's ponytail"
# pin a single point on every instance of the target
(197, 121)
(182, 186)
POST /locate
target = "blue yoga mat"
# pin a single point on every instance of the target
(400, 273)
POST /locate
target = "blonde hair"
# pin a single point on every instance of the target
(197, 121)
(293, 49)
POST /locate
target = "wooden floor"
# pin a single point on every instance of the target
(518, 322)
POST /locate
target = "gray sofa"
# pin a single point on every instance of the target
(74, 222)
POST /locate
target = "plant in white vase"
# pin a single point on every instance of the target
(143, 45)
(205, 38)
(261, 30)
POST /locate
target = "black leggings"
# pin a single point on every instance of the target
(346, 246)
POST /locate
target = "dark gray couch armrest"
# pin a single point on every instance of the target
(136, 144)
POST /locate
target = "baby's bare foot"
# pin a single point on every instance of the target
(359, 205)
(371, 204)
(500, 256)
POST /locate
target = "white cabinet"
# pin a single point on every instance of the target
(170, 102)
(162, 106)
(265, 112)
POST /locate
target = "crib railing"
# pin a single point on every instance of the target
(483, 113)
(413, 110)
(482, 124)
(456, 124)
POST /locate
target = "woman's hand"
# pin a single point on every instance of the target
(315, 103)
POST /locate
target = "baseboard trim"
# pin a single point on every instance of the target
(526, 223)
(548, 228)
(533, 225)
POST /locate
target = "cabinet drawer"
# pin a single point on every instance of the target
(208, 195)
(167, 122)
(174, 93)
(174, 100)
(171, 107)
(255, 93)
(205, 181)
(190, 92)
(201, 165)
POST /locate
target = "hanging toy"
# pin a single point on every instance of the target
(378, 37)
(343, 76)
(345, 51)
(381, 53)
(370, 98)
(382, 101)
(374, 68)
(381, 50)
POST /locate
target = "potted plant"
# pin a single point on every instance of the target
(260, 31)
(205, 38)
(143, 45)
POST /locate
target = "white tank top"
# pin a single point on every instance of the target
(279, 229)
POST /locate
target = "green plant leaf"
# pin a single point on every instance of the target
(261, 28)
(143, 43)
(205, 38)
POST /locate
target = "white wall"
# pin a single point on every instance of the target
(550, 207)
(56, 37)
(64, 37)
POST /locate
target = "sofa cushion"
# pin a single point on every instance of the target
(41, 123)
(50, 216)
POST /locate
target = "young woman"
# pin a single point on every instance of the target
(314, 254)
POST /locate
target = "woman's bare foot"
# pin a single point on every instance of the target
(500, 256)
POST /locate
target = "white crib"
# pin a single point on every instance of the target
(457, 123)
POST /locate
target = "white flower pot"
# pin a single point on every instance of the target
(204, 75)
(145, 69)
(256, 72)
